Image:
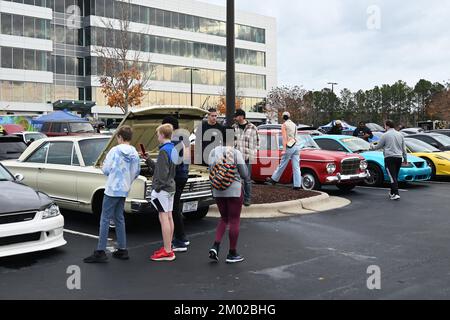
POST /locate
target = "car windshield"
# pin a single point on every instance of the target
(356, 144)
(444, 140)
(5, 175)
(306, 142)
(419, 146)
(91, 149)
(12, 148)
(77, 127)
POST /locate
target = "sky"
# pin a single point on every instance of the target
(358, 43)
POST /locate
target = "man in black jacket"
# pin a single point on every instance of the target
(363, 132)
(209, 135)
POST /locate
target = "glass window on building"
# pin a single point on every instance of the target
(17, 58)
(109, 8)
(167, 19)
(175, 47)
(17, 25)
(144, 15)
(159, 17)
(159, 45)
(135, 13)
(184, 100)
(100, 8)
(6, 54)
(28, 23)
(159, 97)
(60, 63)
(167, 98)
(167, 46)
(189, 23)
(40, 29)
(175, 98)
(152, 98)
(60, 34)
(29, 92)
(30, 59)
(167, 73)
(59, 6)
(17, 91)
(6, 23)
(175, 20)
(71, 68)
(6, 90)
(182, 21)
(152, 16)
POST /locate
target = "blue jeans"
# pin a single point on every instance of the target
(248, 184)
(112, 209)
(293, 155)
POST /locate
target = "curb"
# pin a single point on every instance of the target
(319, 203)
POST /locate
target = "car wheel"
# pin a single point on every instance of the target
(198, 215)
(310, 181)
(376, 176)
(432, 166)
(346, 187)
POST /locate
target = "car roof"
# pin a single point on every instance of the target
(76, 138)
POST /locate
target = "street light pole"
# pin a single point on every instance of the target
(231, 78)
(332, 85)
(192, 83)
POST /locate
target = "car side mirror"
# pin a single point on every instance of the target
(19, 177)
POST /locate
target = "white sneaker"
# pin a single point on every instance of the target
(395, 197)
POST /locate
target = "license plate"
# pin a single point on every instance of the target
(190, 206)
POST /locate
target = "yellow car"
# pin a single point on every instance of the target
(438, 161)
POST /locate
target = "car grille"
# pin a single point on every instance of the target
(419, 164)
(17, 217)
(20, 238)
(350, 166)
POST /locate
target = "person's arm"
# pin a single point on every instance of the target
(355, 132)
(369, 134)
(136, 167)
(405, 153)
(108, 163)
(163, 169)
(380, 144)
(284, 136)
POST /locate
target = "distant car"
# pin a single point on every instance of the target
(301, 127)
(318, 167)
(11, 147)
(29, 220)
(30, 136)
(438, 161)
(408, 131)
(445, 132)
(66, 128)
(437, 140)
(417, 169)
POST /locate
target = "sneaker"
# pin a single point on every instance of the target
(99, 256)
(271, 181)
(247, 203)
(214, 253)
(163, 256)
(121, 254)
(179, 246)
(234, 258)
(395, 197)
(185, 241)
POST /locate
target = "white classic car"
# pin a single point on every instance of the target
(68, 168)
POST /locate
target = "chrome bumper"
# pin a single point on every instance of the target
(344, 177)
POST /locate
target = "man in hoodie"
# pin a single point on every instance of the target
(122, 167)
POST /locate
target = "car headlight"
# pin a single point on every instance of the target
(50, 212)
(363, 165)
(331, 168)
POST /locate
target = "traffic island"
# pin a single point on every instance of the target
(280, 201)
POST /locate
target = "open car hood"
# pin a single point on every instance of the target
(144, 122)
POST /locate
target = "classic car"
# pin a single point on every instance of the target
(439, 141)
(29, 136)
(57, 128)
(438, 161)
(318, 167)
(68, 168)
(29, 220)
(416, 169)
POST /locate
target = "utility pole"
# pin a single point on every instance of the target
(332, 85)
(192, 83)
(231, 78)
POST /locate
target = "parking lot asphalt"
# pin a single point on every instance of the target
(318, 256)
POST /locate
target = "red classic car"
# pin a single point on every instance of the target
(318, 167)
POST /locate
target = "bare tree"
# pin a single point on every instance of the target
(124, 73)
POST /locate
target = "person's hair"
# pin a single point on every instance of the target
(126, 133)
(285, 117)
(165, 130)
(173, 121)
(362, 122)
(211, 110)
(390, 123)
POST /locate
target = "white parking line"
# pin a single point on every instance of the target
(83, 234)
(377, 188)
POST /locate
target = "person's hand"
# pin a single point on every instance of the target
(144, 156)
(405, 163)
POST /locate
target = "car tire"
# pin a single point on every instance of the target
(310, 180)
(198, 215)
(346, 187)
(432, 166)
(376, 176)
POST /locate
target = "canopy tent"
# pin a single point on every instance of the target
(57, 116)
(345, 126)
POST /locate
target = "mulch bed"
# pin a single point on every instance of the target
(273, 194)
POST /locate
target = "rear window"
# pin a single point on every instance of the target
(11, 150)
(81, 127)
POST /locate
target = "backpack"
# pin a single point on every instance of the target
(224, 172)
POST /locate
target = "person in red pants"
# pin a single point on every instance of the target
(229, 200)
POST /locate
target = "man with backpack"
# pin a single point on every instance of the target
(227, 170)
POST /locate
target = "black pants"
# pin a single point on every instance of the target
(176, 213)
(393, 166)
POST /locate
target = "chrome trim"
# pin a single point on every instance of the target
(18, 213)
(339, 177)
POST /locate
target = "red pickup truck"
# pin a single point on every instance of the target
(318, 167)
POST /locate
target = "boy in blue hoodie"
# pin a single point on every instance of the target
(122, 167)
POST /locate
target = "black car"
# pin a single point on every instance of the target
(437, 140)
(11, 147)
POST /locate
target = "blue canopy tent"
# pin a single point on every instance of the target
(57, 116)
